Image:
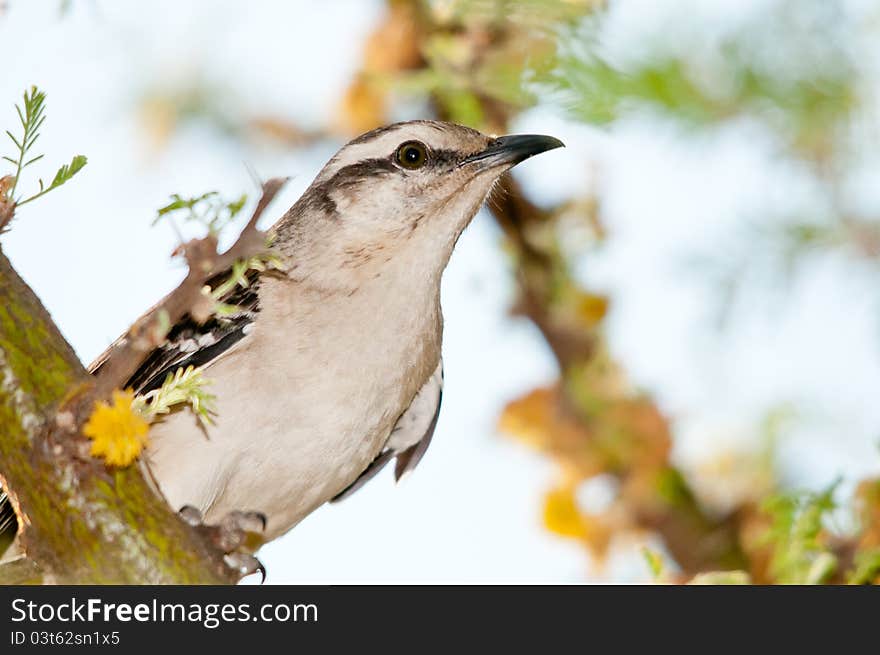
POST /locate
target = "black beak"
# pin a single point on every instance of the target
(511, 150)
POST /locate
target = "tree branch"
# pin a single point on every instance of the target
(681, 523)
(7, 204)
(204, 262)
(20, 570)
(81, 522)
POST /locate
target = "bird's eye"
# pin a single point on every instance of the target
(411, 155)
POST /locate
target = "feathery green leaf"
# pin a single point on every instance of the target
(184, 386)
(63, 175)
(32, 118)
(208, 209)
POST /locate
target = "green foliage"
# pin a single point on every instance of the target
(31, 121)
(599, 92)
(215, 214)
(239, 277)
(867, 567)
(797, 72)
(673, 489)
(184, 386)
(799, 555)
(721, 578)
(32, 118)
(547, 14)
(707, 80)
(63, 175)
(462, 78)
(654, 560)
(208, 210)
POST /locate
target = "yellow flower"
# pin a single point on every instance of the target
(562, 515)
(591, 308)
(118, 433)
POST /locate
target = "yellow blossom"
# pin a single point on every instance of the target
(118, 433)
(562, 515)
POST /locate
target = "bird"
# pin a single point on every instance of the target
(330, 367)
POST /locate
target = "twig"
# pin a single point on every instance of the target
(204, 262)
(7, 204)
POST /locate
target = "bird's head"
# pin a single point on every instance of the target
(408, 188)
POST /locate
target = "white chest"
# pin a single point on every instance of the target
(305, 402)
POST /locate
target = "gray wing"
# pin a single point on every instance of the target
(410, 436)
(196, 344)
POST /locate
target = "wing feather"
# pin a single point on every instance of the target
(195, 344)
(410, 436)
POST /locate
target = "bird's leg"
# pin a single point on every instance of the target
(237, 535)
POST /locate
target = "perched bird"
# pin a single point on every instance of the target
(331, 367)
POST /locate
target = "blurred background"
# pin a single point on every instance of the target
(662, 344)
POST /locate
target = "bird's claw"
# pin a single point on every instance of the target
(237, 535)
(247, 521)
(191, 515)
(245, 564)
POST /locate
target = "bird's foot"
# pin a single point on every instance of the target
(237, 536)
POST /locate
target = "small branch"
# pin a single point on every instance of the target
(698, 542)
(204, 262)
(7, 204)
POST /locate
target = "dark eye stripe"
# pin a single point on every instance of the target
(445, 157)
(354, 172)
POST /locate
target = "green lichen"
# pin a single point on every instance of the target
(44, 373)
(84, 523)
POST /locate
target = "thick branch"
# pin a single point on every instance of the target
(80, 521)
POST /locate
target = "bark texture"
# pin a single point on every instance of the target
(81, 522)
